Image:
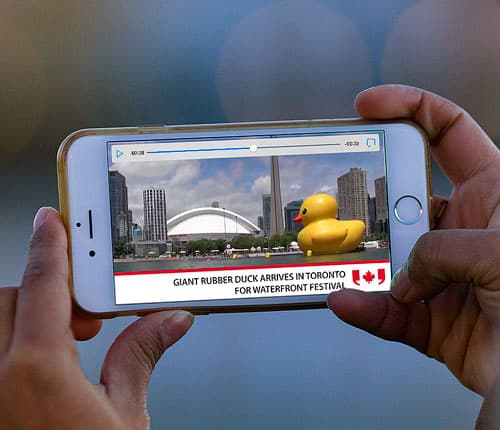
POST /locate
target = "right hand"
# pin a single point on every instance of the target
(445, 300)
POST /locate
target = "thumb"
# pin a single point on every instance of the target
(443, 257)
(489, 416)
(131, 359)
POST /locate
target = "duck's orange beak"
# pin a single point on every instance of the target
(298, 218)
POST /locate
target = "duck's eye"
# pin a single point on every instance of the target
(304, 211)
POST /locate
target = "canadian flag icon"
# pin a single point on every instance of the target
(368, 277)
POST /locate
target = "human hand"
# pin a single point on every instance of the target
(445, 300)
(489, 416)
(41, 382)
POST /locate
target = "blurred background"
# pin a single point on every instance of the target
(71, 65)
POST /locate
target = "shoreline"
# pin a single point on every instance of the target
(206, 257)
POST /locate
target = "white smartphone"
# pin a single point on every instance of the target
(239, 217)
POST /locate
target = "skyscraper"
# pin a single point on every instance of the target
(372, 212)
(291, 211)
(276, 204)
(381, 196)
(353, 196)
(260, 223)
(155, 214)
(129, 225)
(266, 213)
(118, 196)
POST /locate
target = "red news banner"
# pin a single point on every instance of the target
(250, 282)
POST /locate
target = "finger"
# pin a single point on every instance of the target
(130, 360)
(84, 328)
(43, 308)
(438, 206)
(383, 316)
(489, 416)
(8, 296)
(442, 257)
(494, 222)
(459, 144)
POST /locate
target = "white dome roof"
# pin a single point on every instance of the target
(209, 220)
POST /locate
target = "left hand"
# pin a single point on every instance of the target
(42, 385)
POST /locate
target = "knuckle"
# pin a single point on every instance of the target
(38, 368)
(39, 270)
(35, 271)
(28, 361)
(28, 368)
(146, 353)
(488, 266)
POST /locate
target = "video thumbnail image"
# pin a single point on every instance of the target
(248, 212)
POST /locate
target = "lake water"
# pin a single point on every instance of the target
(292, 259)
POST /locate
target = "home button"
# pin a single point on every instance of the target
(408, 210)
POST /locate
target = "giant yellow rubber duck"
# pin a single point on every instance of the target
(322, 232)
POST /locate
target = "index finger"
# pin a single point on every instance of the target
(458, 143)
(43, 310)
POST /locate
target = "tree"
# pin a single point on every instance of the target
(260, 241)
(202, 245)
(287, 238)
(120, 248)
(241, 242)
(274, 240)
(219, 244)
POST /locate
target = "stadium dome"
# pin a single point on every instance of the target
(210, 223)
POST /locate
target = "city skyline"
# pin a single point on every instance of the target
(353, 203)
(239, 183)
(352, 196)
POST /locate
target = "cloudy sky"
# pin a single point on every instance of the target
(238, 183)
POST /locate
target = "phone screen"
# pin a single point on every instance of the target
(253, 217)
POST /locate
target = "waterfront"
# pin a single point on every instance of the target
(208, 262)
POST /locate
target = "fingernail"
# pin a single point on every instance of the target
(442, 208)
(331, 298)
(40, 217)
(183, 317)
(173, 322)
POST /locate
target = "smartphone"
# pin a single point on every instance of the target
(239, 217)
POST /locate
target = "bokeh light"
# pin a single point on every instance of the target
(292, 60)
(451, 47)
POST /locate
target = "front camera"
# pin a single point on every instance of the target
(92, 253)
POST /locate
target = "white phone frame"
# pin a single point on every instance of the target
(84, 186)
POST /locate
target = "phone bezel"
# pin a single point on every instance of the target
(83, 186)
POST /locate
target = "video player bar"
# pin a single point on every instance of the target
(245, 147)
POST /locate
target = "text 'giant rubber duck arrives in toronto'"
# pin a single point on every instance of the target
(322, 232)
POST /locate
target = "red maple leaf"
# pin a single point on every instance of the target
(368, 276)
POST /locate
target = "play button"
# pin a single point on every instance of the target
(118, 153)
